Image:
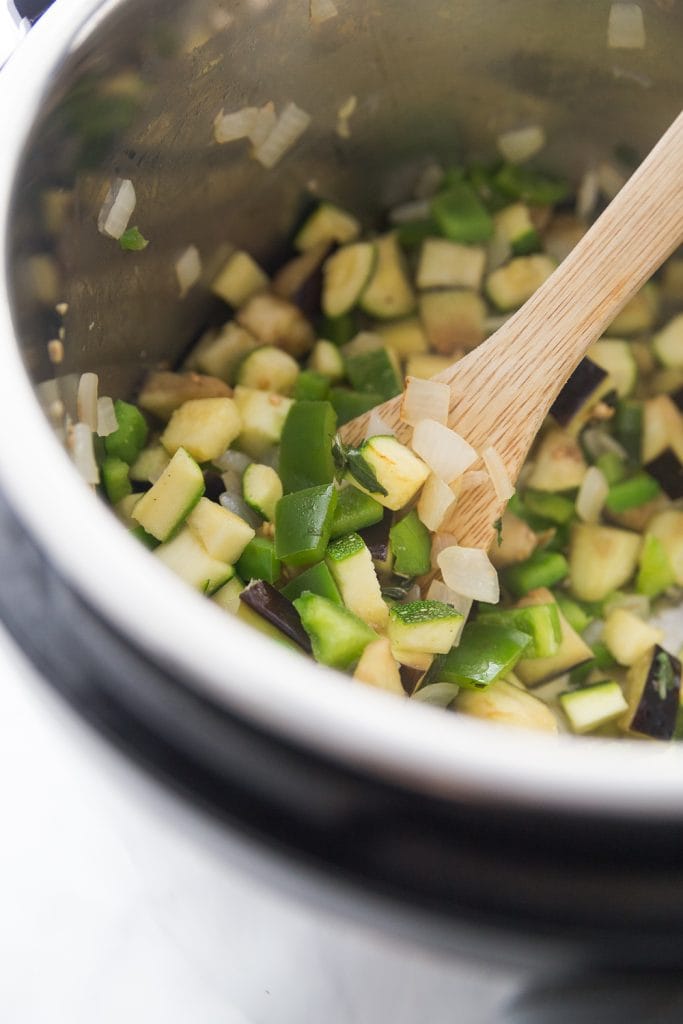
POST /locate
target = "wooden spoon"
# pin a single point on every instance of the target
(502, 391)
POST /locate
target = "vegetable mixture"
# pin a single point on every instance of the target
(232, 471)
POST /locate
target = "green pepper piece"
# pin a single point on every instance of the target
(374, 372)
(338, 329)
(632, 493)
(338, 637)
(318, 580)
(553, 507)
(311, 386)
(628, 428)
(542, 569)
(460, 214)
(539, 621)
(303, 521)
(655, 574)
(411, 544)
(128, 440)
(306, 446)
(576, 615)
(612, 467)
(413, 232)
(483, 181)
(348, 404)
(485, 653)
(115, 479)
(355, 511)
(258, 561)
(530, 186)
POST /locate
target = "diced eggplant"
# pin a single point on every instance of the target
(275, 321)
(558, 463)
(404, 337)
(264, 599)
(301, 280)
(513, 224)
(378, 667)
(616, 359)
(428, 365)
(219, 354)
(662, 427)
(517, 542)
(268, 369)
(445, 264)
(240, 278)
(574, 405)
(627, 637)
(410, 677)
(508, 704)
(453, 319)
(573, 650)
(163, 392)
(328, 223)
(667, 469)
(376, 537)
(668, 343)
(510, 286)
(346, 274)
(653, 691)
(389, 293)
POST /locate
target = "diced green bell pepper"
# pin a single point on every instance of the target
(541, 622)
(529, 186)
(612, 467)
(116, 478)
(306, 446)
(374, 372)
(411, 545)
(338, 637)
(318, 580)
(485, 653)
(258, 561)
(311, 386)
(554, 507)
(348, 404)
(632, 493)
(303, 521)
(128, 440)
(355, 511)
(542, 569)
(576, 614)
(655, 574)
(628, 428)
(460, 214)
(338, 329)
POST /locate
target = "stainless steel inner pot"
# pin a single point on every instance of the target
(106, 88)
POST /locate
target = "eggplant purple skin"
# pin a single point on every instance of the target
(667, 470)
(578, 390)
(376, 537)
(655, 715)
(410, 677)
(275, 608)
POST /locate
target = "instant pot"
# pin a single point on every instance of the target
(457, 840)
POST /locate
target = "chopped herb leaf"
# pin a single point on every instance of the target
(398, 591)
(133, 241)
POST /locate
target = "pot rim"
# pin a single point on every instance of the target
(416, 746)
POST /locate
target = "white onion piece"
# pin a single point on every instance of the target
(521, 144)
(83, 452)
(429, 182)
(188, 268)
(438, 591)
(445, 452)
(469, 572)
(416, 209)
(502, 484)
(86, 399)
(288, 129)
(441, 541)
(117, 208)
(344, 115)
(598, 442)
(237, 125)
(413, 594)
(625, 27)
(436, 500)
(106, 417)
(236, 504)
(610, 178)
(587, 194)
(377, 426)
(232, 461)
(425, 399)
(322, 10)
(592, 495)
(264, 124)
(476, 478)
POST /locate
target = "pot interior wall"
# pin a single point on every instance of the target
(137, 95)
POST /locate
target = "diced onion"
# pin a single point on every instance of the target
(476, 478)
(436, 500)
(592, 495)
(377, 426)
(598, 442)
(263, 125)
(237, 125)
(188, 268)
(416, 209)
(440, 541)
(445, 452)
(625, 27)
(502, 484)
(425, 399)
(83, 452)
(438, 591)
(86, 400)
(413, 594)
(521, 144)
(106, 417)
(117, 208)
(288, 129)
(233, 461)
(322, 10)
(610, 178)
(236, 504)
(344, 115)
(469, 572)
(587, 194)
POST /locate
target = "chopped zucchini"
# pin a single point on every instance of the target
(338, 637)
(268, 369)
(668, 343)
(240, 278)
(510, 286)
(228, 596)
(558, 463)
(346, 274)
(187, 557)
(589, 707)
(327, 360)
(261, 489)
(396, 469)
(653, 691)
(616, 358)
(150, 464)
(301, 279)
(352, 568)
(573, 650)
(375, 371)
(275, 321)
(427, 365)
(638, 315)
(164, 392)
(388, 294)
(667, 527)
(223, 534)
(445, 264)
(204, 427)
(378, 667)
(220, 354)
(627, 637)
(655, 572)
(263, 415)
(453, 319)
(327, 223)
(428, 626)
(601, 559)
(514, 225)
(404, 337)
(575, 403)
(508, 704)
(170, 500)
